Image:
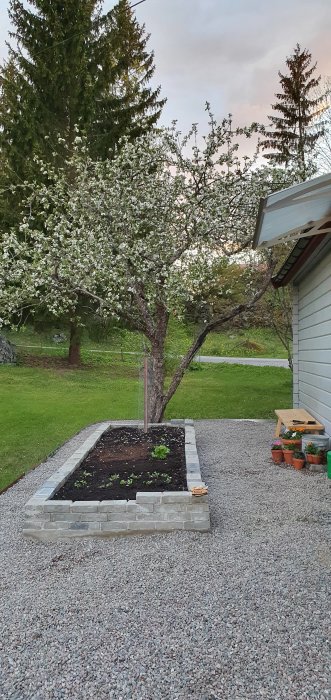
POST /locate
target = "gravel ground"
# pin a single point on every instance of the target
(240, 613)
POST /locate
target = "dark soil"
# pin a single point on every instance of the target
(124, 454)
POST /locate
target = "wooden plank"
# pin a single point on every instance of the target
(316, 331)
(322, 302)
(321, 356)
(306, 301)
(319, 417)
(314, 319)
(316, 369)
(320, 395)
(318, 382)
(316, 406)
(316, 276)
(287, 416)
(322, 342)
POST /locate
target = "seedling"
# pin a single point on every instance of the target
(111, 480)
(82, 481)
(160, 451)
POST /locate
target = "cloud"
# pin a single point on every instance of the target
(226, 51)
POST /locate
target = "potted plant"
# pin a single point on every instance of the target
(277, 451)
(292, 437)
(288, 451)
(313, 453)
(298, 459)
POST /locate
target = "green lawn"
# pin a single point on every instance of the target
(253, 342)
(41, 408)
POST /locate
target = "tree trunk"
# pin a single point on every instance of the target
(74, 357)
(156, 403)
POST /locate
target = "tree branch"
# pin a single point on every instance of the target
(212, 325)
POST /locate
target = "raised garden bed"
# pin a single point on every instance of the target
(82, 498)
(124, 461)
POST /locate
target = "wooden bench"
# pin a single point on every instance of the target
(293, 418)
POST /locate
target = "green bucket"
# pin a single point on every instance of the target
(328, 454)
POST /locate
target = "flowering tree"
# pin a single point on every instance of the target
(135, 238)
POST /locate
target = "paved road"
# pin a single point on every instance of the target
(256, 361)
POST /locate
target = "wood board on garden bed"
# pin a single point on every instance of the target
(126, 454)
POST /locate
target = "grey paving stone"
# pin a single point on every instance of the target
(113, 506)
(142, 525)
(58, 506)
(66, 517)
(85, 506)
(114, 526)
(171, 525)
(177, 497)
(154, 497)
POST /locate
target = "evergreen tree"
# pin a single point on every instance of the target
(70, 66)
(51, 77)
(292, 139)
(129, 106)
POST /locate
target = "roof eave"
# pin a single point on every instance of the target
(283, 280)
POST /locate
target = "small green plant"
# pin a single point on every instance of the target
(155, 476)
(312, 449)
(110, 481)
(127, 482)
(82, 481)
(291, 448)
(298, 455)
(277, 446)
(293, 434)
(160, 451)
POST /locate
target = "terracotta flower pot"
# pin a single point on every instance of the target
(277, 456)
(291, 442)
(313, 459)
(288, 456)
(298, 463)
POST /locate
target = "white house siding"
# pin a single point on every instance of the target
(312, 342)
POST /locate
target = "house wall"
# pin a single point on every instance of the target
(312, 342)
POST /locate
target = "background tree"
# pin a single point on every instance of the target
(135, 237)
(291, 140)
(322, 123)
(128, 105)
(71, 67)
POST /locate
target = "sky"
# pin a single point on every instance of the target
(226, 52)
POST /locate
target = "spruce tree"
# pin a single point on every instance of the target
(71, 66)
(53, 71)
(292, 139)
(128, 106)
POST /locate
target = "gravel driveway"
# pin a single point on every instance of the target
(240, 613)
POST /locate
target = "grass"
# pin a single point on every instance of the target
(252, 342)
(41, 408)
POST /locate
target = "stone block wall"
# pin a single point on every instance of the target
(47, 519)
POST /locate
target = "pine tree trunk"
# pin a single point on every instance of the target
(74, 357)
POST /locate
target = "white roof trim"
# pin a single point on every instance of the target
(297, 211)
